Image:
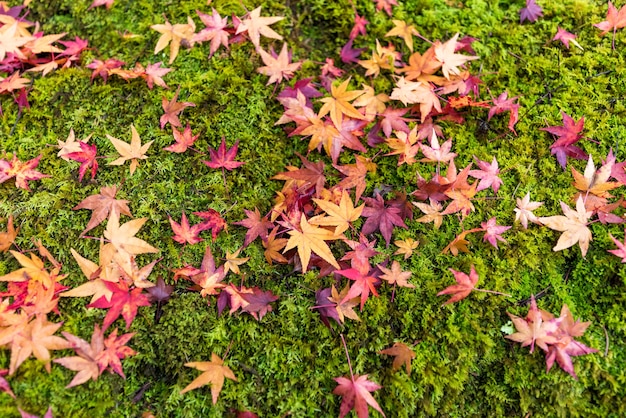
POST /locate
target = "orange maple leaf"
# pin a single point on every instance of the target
(214, 373)
(339, 104)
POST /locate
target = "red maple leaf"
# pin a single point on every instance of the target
(380, 217)
(224, 159)
(86, 157)
(568, 135)
(364, 283)
(124, 302)
(115, 349)
(213, 222)
(183, 233)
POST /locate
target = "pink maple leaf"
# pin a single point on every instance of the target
(565, 37)
(153, 75)
(493, 232)
(183, 233)
(183, 139)
(488, 175)
(503, 104)
(355, 393)
(385, 5)
(86, 157)
(214, 31)
(359, 27)
(621, 249)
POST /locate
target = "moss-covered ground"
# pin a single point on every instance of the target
(285, 363)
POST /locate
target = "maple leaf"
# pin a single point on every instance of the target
(534, 328)
(403, 355)
(103, 204)
(159, 294)
(503, 104)
(381, 218)
(172, 109)
(153, 74)
(174, 35)
(258, 302)
(621, 248)
(614, 20)
(406, 247)
(566, 37)
(459, 243)
(432, 213)
(312, 173)
(411, 92)
(70, 145)
(395, 275)
(257, 226)
(133, 151)
(573, 225)
(382, 58)
(465, 285)
(214, 31)
(37, 339)
(385, 5)
(488, 175)
(406, 32)
(86, 157)
(523, 211)
(96, 275)
(350, 55)
(340, 216)
(32, 269)
(373, 103)
(85, 363)
(531, 12)
(124, 302)
(224, 159)
(355, 176)
(341, 307)
(23, 172)
(7, 238)
(278, 67)
(183, 233)
(566, 347)
(272, 247)
(255, 26)
(438, 153)
(208, 277)
(184, 139)
(363, 284)
(106, 3)
(11, 41)
(355, 393)
(233, 262)
(122, 238)
(103, 68)
(405, 145)
(213, 221)
(339, 104)
(4, 385)
(596, 182)
(493, 232)
(24, 414)
(115, 349)
(445, 54)
(136, 276)
(461, 201)
(214, 373)
(568, 135)
(359, 27)
(311, 239)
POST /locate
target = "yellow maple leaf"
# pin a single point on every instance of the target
(214, 373)
(311, 239)
(339, 104)
(133, 151)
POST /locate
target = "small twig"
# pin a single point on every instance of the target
(606, 339)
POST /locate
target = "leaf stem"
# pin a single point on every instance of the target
(493, 292)
(343, 340)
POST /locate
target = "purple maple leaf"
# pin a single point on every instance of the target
(531, 12)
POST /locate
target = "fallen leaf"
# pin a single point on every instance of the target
(402, 356)
(133, 151)
(214, 373)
